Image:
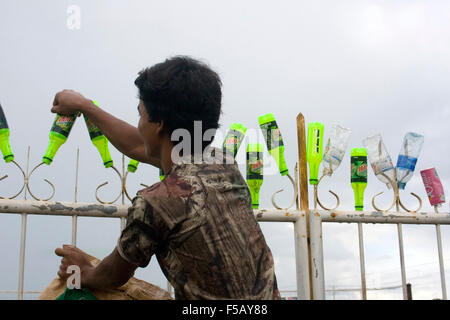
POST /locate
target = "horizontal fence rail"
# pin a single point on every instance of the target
(375, 217)
(307, 221)
(79, 209)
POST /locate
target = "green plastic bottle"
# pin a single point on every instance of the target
(274, 141)
(99, 141)
(132, 165)
(161, 175)
(58, 135)
(358, 161)
(5, 146)
(255, 171)
(314, 150)
(234, 138)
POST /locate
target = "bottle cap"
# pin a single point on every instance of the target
(268, 117)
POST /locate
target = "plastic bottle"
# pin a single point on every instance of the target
(5, 146)
(407, 158)
(314, 150)
(99, 141)
(433, 186)
(335, 149)
(234, 138)
(255, 171)
(274, 141)
(358, 174)
(379, 159)
(62, 125)
(132, 165)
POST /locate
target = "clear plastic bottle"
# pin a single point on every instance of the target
(335, 149)
(379, 159)
(407, 158)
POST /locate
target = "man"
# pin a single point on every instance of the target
(199, 220)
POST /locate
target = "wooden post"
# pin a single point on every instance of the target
(408, 291)
(303, 178)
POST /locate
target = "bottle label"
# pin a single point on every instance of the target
(406, 162)
(254, 165)
(233, 141)
(358, 169)
(3, 122)
(63, 124)
(272, 135)
(94, 131)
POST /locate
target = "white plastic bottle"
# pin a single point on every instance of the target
(407, 158)
(335, 148)
(379, 159)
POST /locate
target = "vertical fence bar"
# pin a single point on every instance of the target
(23, 238)
(122, 219)
(318, 279)
(361, 262)
(75, 217)
(402, 260)
(441, 262)
(301, 251)
(301, 259)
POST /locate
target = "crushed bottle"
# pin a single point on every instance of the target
(380, 160)
(335, 149)
(407, 158)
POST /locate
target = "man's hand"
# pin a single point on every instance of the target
(69, 102)
(73, 256)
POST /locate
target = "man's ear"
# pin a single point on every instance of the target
(160, 128)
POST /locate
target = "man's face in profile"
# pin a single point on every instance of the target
(149, 133)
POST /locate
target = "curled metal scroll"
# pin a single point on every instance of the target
(124, 186)
(316, 195)
(293, 200)
(396, 201)
(105, 183)
(24, 181)
(407, 210)
(394, 188)
(27, 182)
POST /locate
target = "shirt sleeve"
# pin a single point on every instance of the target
(140, 238)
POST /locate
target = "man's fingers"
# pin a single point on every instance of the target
(61, 252)
(56, 99)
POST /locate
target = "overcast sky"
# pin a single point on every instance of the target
(371, 66)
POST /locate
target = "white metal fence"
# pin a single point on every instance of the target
(307, 223)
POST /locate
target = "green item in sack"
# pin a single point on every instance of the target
(76, 294)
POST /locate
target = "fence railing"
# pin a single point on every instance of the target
(307, 223)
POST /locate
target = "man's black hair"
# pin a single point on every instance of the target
(179, 91)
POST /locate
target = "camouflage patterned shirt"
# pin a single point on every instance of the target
(199, 224)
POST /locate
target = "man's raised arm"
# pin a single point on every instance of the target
(123, 136)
